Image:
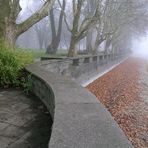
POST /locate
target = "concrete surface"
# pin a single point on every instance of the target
(24, 121)
(80, 120)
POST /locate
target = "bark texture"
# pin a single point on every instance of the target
(9, 10)
(56, 36)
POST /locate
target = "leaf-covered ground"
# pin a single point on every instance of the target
(124, 92)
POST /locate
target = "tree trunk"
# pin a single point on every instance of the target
(56, 36)
(53, 47)
(74, 32)
(99, 40)
(107, 45)
(89, 41)
(52, 23)
(4, 14)
(10, 34)
(72, 49)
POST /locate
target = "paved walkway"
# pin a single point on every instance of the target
(124, 92)
(80, 120)
(24, 122)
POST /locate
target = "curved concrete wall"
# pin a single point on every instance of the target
(79, 119)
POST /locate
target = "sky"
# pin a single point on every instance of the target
(140, 47)
(28, 7)
(24, 3)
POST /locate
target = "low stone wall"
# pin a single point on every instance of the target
(81, 68)
(79, 119)
(43, 91)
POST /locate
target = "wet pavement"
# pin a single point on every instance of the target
(24, 121)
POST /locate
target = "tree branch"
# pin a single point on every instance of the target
(36, 17)
(15, 9)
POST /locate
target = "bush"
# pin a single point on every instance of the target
(11, 64)
(24, 57)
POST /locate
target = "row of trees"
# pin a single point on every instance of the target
(113, 23)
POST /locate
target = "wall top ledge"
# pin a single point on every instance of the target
(80, 120)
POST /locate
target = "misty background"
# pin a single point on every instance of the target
(140, 47)
(30, 39)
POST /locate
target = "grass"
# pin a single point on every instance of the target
(35, 53)
(41, 53)
(11, 65)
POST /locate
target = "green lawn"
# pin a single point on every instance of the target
(41, 53)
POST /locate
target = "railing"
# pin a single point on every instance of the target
(77, 66)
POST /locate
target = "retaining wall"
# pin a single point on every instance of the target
(82, 68)
(79, 119)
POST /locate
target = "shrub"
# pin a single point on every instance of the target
(26, 83)
(24, 57)
(11, 64)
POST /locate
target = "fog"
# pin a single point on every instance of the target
(140, 47)
(28, 7)
(25, 40)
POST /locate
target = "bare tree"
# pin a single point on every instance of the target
(42, 30)
(90, 10)
(56, 33)
(115, 16)
(80, 24)
(9, 29)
